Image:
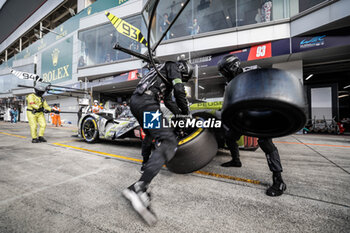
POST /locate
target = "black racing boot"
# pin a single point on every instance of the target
(141, 201)
(278, 186)
(42, 139)
(232, 163)
(35, 140)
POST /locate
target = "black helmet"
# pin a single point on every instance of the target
(186, 70)
(40, 88)
(229, 67)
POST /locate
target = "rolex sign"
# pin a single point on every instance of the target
(56, 62)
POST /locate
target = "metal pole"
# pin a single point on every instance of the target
(63, 95)
(92, 101)
(196, 82)
(41, 30)
(70, 88)
(70, 91)
(85, 88)
(133, 53)
(20, 44)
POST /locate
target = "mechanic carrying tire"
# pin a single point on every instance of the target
(229, 67)
(146, 98)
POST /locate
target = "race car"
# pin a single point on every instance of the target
(192, 141)
(94, 126)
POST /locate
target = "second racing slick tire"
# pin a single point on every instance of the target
(265, 103)
(89, 130)
(194, 152)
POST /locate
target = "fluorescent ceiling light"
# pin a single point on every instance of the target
(347, 86)
(308, 77)
(201, 87)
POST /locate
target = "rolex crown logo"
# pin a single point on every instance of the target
(54, 55)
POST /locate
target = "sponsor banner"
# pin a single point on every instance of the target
(107, 81)
(322, 41)
(215, 105)
(56, 62)
(58, 33)
(132, 75)
(280, 47)
(24, 75)
(261, 51)
(126, 28)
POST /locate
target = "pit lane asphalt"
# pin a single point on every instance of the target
(66, 185)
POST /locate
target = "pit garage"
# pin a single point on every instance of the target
(68, 185)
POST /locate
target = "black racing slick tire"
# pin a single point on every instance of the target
(89, 130)
(219, 133)
(194, 152)
(265, 103)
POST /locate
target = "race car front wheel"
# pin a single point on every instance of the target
(89, 130)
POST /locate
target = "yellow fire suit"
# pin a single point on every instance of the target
(36, 102)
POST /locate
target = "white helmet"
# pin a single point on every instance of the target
(96, 101)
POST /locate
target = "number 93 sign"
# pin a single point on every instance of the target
(260, 51)
(126, 29)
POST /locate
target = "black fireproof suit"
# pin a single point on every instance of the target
(146, 98)
(266, 144)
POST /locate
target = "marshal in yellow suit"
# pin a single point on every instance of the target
(36, 105)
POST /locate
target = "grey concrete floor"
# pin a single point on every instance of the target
(76, 187)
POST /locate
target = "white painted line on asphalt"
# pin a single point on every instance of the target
(14, 198)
